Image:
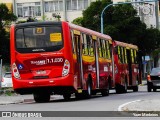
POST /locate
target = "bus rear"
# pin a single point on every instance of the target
(40, 61)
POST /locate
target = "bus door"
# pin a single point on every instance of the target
(89, 64)
(129, 65)
(96, 64)
(78, 66)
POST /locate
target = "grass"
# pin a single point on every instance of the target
(7, 91)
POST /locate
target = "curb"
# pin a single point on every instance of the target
(120, 108)
(11, 102)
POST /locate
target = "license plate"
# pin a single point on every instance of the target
(40, 72)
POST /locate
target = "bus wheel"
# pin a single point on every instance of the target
(135, 88)
(118, 89)
(125, 88)
(89, 90)
(78, 96)
(105, 92)
(121, 89)
(41, 97)
(67, 96)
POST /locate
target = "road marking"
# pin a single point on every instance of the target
(125, 104)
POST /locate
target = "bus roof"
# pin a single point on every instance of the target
(73, 26)
(37, 23)
(126, 45)
(88, 31)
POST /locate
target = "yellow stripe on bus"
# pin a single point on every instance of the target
(88, 58)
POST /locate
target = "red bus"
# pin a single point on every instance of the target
(62, 58)
(59, 58)
(126, 67)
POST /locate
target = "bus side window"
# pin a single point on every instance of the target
(135, 56)
(104, 49)
(100, 48)
(125, 55)
(89, 44)
(132, 56)
(73, 42)
(119, 54)
(108, 50)
(122, 54)
(84, 45)
(91, 48)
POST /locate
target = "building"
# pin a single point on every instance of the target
(68, 10)
(148, 12)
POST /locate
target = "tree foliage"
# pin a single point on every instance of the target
(121, 23)
(5, 20)
(78, 21)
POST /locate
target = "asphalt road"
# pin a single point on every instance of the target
(96, 103)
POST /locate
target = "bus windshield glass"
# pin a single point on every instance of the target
(38, 39)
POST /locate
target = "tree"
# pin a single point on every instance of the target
(91, 16)
(78, 21)
(122, 24)
(5, 20)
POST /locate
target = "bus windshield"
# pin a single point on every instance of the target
(38, 39)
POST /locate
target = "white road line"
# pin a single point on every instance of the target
(123, 105)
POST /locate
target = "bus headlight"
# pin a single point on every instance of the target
(66, 68)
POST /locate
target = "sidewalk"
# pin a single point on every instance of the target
(14, 99)
(141, 105)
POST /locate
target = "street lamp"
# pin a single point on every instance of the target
(120, 4)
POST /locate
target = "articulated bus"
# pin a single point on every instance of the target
(126, 67)
(62, 58)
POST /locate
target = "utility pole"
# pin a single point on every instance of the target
(0, 71)
(64, 10)
(156, 14)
